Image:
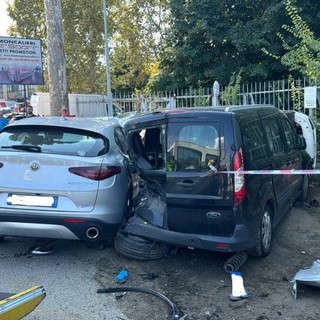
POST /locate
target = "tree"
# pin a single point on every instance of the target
(211, 40)
(135, 27)
(56, 59)
(304, 55)
(140, 25)
(84, 45)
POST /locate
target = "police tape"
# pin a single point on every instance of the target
(274, 172)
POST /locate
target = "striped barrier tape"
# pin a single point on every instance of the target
(293, 171)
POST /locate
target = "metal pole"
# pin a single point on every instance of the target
(108, 78)
(25, 100)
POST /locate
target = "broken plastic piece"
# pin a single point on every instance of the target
(238, 290)
(309, 276)
(122, 276)
(149, 276)
(120, 295)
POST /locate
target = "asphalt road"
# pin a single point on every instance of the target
(68, 276)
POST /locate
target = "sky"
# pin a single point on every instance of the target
(4, 19)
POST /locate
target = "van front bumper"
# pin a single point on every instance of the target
(241, 240)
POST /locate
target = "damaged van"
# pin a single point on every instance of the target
(195, 194)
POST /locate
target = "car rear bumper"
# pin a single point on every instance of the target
(65, 228)
(240, 241)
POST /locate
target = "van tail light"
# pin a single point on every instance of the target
(96, 172)
(239, 187)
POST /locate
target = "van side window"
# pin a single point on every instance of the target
(289, 134)
(147, 144)
(255, 142)
(194, 147)
(273, 136)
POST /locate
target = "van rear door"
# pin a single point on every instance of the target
(199, 201)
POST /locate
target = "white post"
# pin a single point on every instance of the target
(215, 96)
(144, 104)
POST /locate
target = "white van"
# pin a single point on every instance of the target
(304, 126)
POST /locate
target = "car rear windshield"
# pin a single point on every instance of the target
(53, 140)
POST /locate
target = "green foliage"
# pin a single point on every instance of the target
(211, 40)
(304, 55)
(134, 27)
(302, 48)
(201, 101)
(167, 45)
(297, 94)
(230, 94)
(28, 19)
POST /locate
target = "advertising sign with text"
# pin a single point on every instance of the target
(21, 61)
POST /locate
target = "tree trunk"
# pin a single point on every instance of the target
(56, 58)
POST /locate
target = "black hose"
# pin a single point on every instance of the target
(175, 311)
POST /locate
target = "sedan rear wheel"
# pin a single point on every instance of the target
(264, 237)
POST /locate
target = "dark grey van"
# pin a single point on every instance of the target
(193, 154)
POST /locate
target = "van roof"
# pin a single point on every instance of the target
(152, 117)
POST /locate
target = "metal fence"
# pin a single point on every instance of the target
(10, 91)
(283, 94)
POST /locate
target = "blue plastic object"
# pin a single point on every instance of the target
(122, 276)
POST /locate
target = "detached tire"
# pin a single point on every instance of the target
(264, 237)
(138, 248)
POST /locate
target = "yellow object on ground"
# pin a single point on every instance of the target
(14, 306)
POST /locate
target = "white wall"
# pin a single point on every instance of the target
(80, 105)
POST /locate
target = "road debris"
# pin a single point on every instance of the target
(238, 290)
(308, 276)
(148, 276)
(175, 312)
(235, 262)
(122, 276)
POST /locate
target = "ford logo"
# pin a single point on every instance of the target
(34, 166)
(213, 215)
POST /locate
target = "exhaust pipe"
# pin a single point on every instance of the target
(92, 233)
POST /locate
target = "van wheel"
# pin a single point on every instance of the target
(139, 248)
(264, 237)
(304, 188)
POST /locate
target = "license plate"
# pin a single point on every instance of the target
(38, 201)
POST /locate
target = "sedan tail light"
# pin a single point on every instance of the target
(96, 172)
